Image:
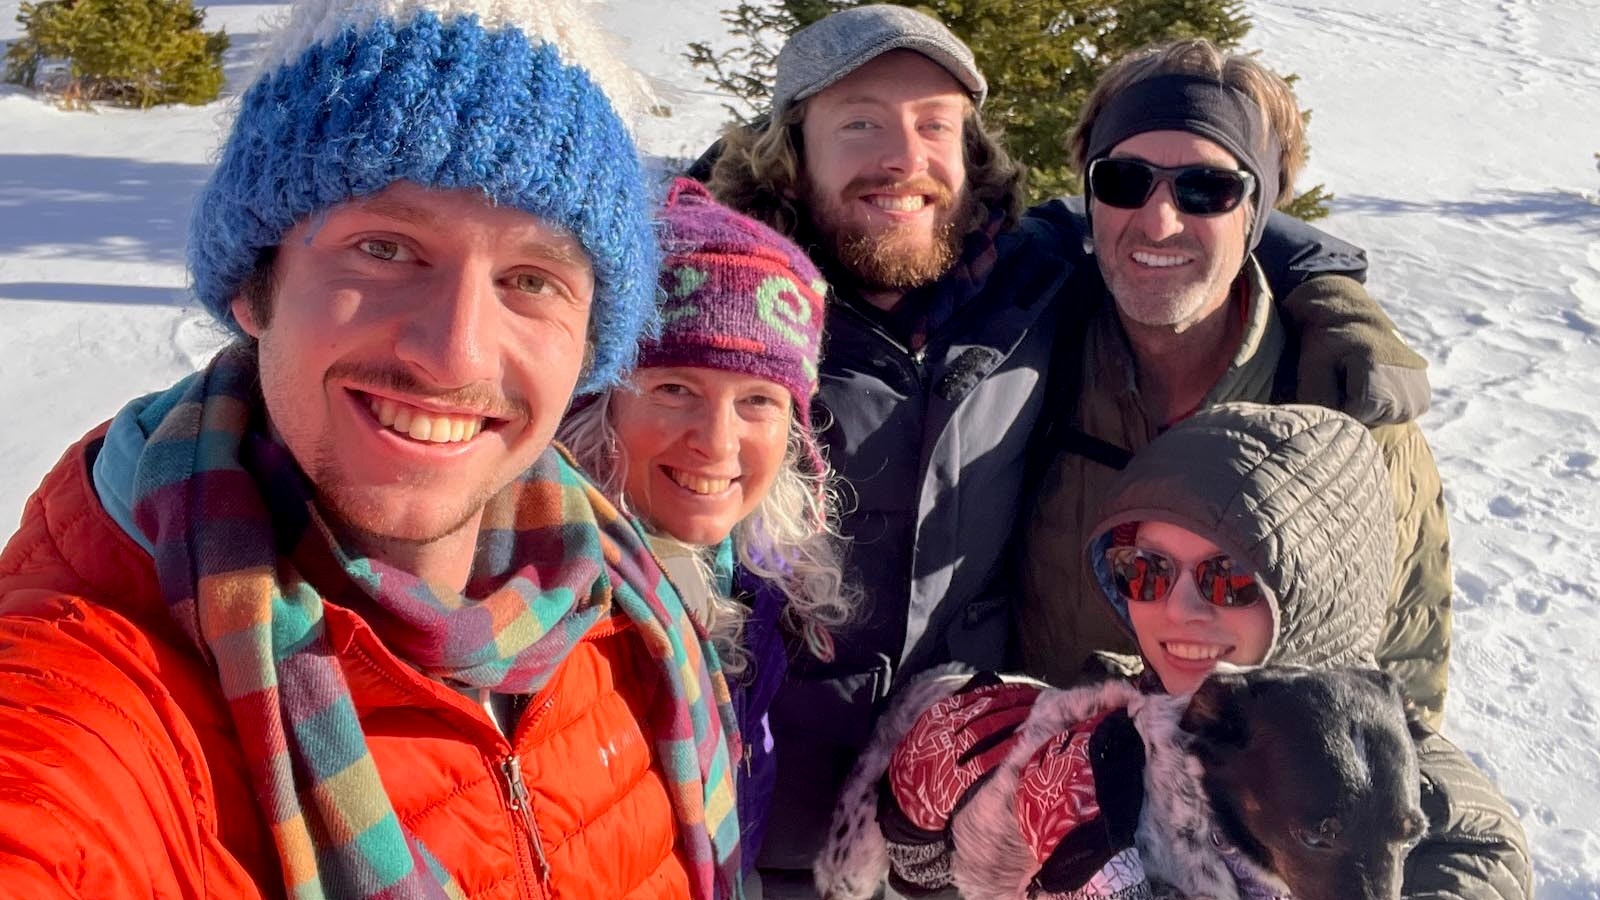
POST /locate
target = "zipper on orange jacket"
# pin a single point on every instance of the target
(522, 807)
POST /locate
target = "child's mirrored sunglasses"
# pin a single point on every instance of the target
(1197, 190)
(1146, 575)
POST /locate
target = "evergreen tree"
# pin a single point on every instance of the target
(133, 52)
(1041, 58)
(745, 71)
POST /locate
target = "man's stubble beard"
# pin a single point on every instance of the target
(1174, 307)
(897, 258)
(361, 518)
(1169, 310)
(364, 520)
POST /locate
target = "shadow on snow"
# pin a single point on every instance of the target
(239, 64)
(84, 292)
(96, 207)
(1553, 207)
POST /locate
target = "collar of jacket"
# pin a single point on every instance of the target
(984, 333)
(941, 301)
(1250, 375)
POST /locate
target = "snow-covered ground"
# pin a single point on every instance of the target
(1458, 135)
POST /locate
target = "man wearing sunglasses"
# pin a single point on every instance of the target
(1185, 152)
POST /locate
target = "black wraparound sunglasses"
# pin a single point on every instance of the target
(1198, 190)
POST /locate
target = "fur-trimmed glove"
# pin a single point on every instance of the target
(1077, 806)
(952, 749)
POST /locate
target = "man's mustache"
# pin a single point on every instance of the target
(940, 194)
(1181, 242)
(482, 399)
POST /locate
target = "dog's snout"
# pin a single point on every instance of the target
(1382, 882)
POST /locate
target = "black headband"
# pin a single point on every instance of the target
(1200, 105)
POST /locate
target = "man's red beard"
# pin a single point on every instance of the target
(897, 258)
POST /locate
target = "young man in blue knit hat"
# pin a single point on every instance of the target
(331, 617)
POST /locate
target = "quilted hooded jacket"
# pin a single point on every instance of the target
(121, 774)
(1301, 495)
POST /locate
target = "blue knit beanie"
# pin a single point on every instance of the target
(498, 95)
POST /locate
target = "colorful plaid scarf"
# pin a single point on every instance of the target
(234, 526)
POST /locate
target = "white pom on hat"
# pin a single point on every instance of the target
(567, 25)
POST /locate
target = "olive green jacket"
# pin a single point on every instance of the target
(1061, 620)
(1299, 494)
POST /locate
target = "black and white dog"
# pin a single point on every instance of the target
(1293, 782)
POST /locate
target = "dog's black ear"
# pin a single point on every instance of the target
(1215, 715)
(1415, 724)
(1384, 681)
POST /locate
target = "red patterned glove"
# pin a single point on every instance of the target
(1077, 805)
(952, 748)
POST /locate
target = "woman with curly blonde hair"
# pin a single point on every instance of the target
(709, 443)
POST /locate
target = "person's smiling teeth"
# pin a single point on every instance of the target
(698, 484)
(892, 203)
(421, 425)
(1197, 652)
(1158, 260)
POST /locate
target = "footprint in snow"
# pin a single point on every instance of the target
(1578, 323)
(1579, 465)
(1506, 508)
(1471, 589)
(1533, 602)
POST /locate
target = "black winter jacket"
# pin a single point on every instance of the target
(932, 444)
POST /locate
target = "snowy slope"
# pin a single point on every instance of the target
(1458, 136)
(1460, 140)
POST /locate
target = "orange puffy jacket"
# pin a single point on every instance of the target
(121, 775)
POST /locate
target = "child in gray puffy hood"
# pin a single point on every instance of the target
(1265, 534)
(1283, 518)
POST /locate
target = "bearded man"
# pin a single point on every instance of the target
(877, 162)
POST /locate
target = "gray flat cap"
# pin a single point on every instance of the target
(831, 48)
